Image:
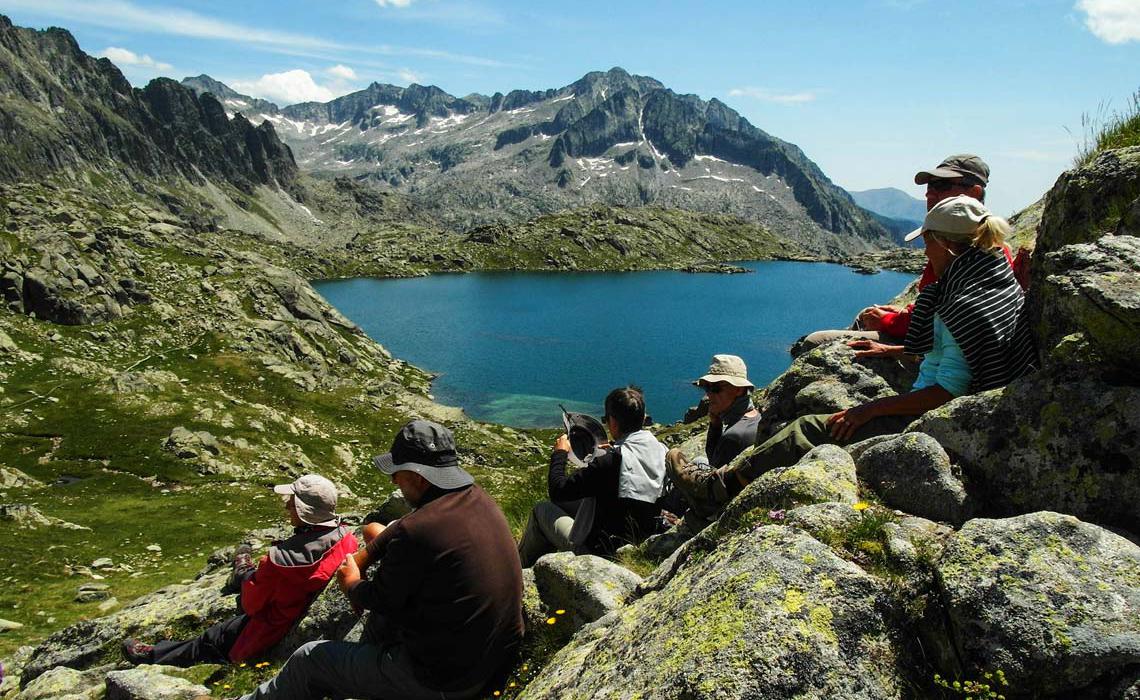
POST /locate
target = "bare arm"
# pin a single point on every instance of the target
(845, 423)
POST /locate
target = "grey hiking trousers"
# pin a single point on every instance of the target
(350, 670)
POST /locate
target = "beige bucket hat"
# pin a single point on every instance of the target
(726, 368)
(956, 218)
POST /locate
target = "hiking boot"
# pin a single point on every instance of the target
(138, 653)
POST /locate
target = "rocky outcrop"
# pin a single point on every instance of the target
(1051, 601)
(1049, 441)
(63, 120)
(829, 379)
(770, 613)
(152, 683)
(586, 587)
(826, 474)
(913, 473)
(1086, 263)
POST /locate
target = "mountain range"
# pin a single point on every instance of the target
(608, 138)
(891, 202)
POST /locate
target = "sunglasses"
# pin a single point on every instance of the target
(947, 185)
(714, 388)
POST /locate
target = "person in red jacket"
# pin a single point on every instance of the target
(885, 325)
(275, 594)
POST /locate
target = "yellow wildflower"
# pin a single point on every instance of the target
(551, 620)
(559, 612)
(861, 506)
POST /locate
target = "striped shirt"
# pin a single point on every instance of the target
(983, 307)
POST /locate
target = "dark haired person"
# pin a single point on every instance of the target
(880, 329)
(733, 420)
(276, 593)
(625, 482)
(969, 326)
(445, 597)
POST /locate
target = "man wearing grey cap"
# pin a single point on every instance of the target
(879, 329)
(445, 597)
(733, 420)
(276, 593)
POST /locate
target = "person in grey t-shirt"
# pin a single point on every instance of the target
(732, 421)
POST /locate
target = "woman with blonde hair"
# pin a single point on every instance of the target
(968, 325)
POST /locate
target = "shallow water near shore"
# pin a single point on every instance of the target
(510, 346)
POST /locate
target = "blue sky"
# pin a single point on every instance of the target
(872, 90)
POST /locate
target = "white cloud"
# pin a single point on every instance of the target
(783, 98)
(393, 3)
(124, 57)
(123, 15)
(342, 72)
(1114, 21)
(408, 76)
(286, 88)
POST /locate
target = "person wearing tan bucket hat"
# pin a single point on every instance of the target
(969, 326)
(733, 420)
(276, 593)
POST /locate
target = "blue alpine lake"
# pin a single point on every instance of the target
(509, 347)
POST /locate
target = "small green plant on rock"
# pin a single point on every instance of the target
(988, 687)
(864, 542)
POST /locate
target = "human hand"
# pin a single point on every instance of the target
(871, 318)
(866, 347)
(348, 574)
(562, 443)
(670, 519)
(844, 424)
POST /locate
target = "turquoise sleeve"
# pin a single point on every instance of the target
(953, 371)
(944, 365)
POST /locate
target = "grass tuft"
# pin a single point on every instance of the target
(1107, 130)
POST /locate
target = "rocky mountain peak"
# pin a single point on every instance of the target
(57, 106)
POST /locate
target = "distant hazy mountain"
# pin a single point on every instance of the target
(609, 138)
(892, 203)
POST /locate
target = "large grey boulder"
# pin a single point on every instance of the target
(7, 345)
(1090, 200)
(586, 587)
(912, 473)
(188, 444)
(12, 478)
(1093, 289)
(1052, 601)
(1050, 441)
(1086, 265)
(64, 684)
(829, 379)
(825, 474)
(152, 683)
(89, 641)
(767, 613)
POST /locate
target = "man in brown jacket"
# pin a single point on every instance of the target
(445, 596)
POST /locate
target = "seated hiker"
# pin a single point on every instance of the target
(732, 423)
(885, 324)
(445, 594)
(969, 325)
(618, 490)
(275, 594)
